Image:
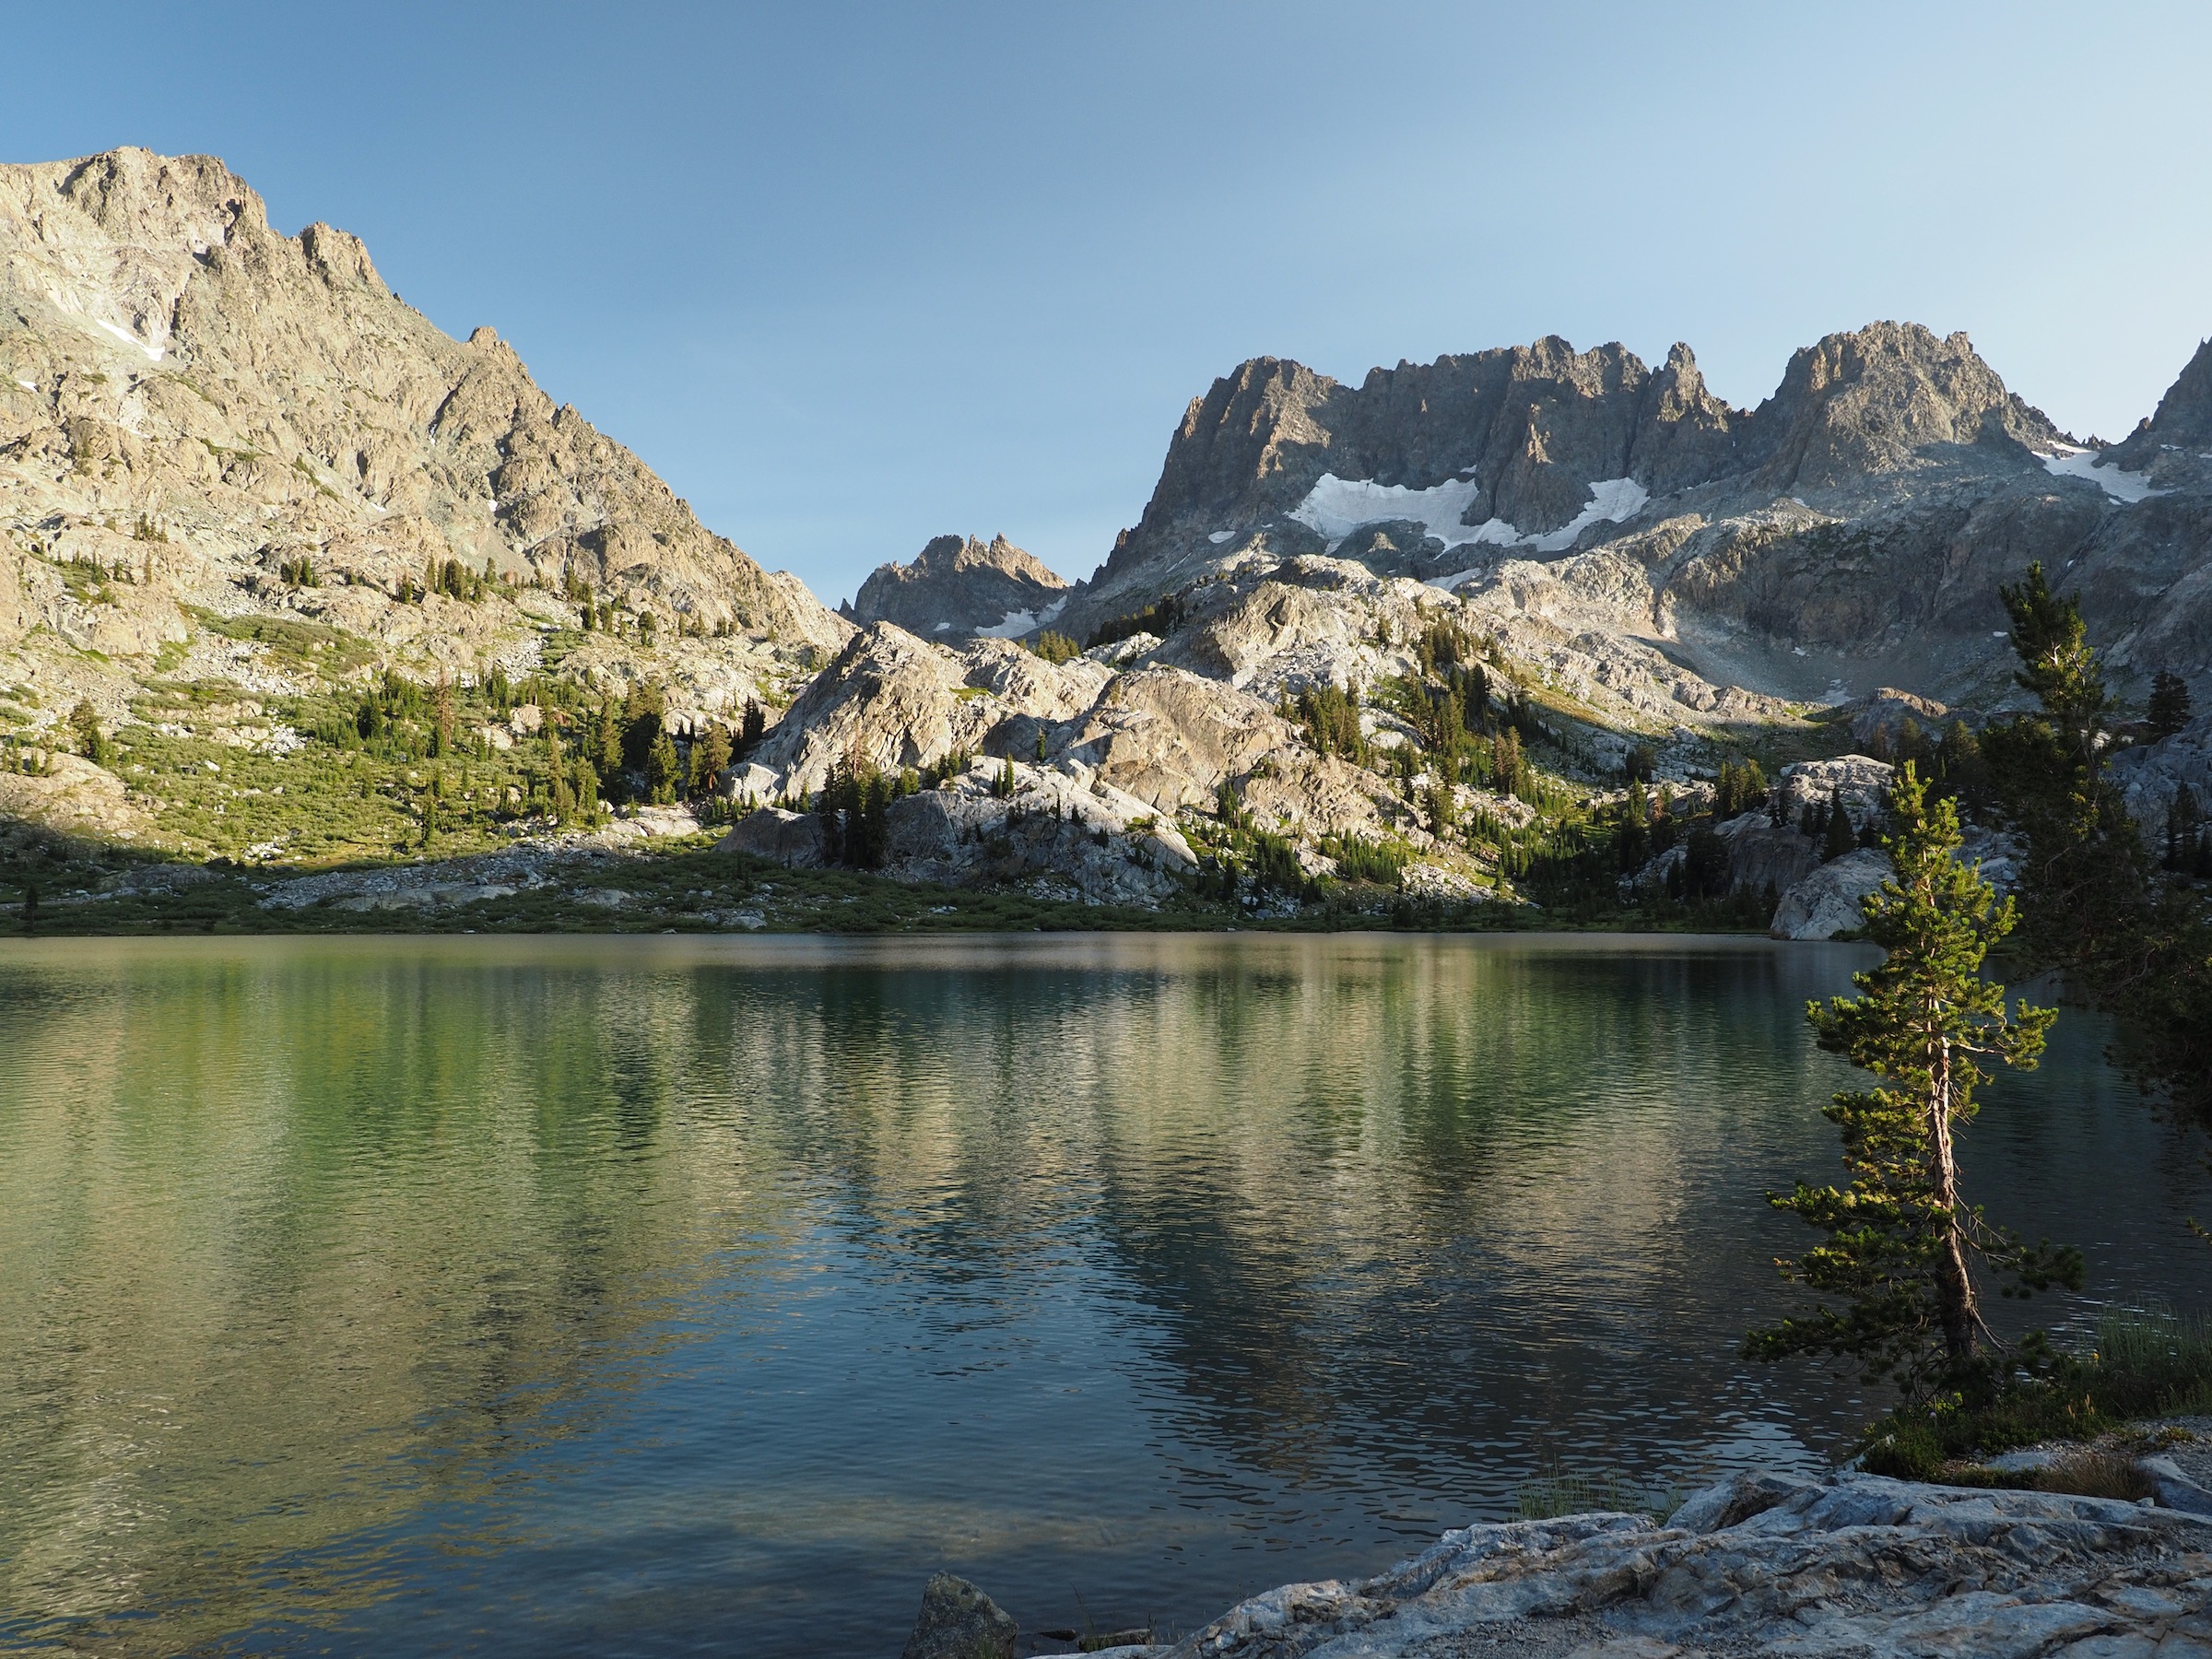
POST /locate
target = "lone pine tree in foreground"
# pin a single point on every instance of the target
(1905, 1252)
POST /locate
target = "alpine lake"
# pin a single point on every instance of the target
(655, 1296)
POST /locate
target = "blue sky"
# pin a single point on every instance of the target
(849, 277)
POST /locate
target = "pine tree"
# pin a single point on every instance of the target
(1836, 837)
(2170, 703)
(663, 770)
(1508, 771)
(560, 797)
(2085, 883)
(91, 742)
(1905, 1252)
(711, 754)
(1444, 808)
(2088, 901)
(441, 718)
(855, 806)
(2182, 840)
(605, 751)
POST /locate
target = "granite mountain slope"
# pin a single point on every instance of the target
(1645, 561)
(199, 403)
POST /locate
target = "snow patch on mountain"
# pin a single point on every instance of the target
(1337, 506)
(153, 353)
(2082, 464)
(1611, 499)
(1018, 622)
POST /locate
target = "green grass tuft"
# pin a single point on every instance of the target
(2146, 1362)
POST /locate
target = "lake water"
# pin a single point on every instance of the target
(648, 1296)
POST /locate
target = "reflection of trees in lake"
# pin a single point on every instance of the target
(312, 1243)
(1442, 1190)
(322, 1235)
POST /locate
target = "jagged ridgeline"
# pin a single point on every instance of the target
(1850, 531)
(293, 577)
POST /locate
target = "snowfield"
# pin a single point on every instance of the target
(2082, 464)
(1337, 506)
(1016, 623)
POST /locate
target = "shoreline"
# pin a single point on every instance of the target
(1847, 1565)
(698, 887)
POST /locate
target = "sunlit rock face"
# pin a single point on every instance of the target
(1853, 528)
(196, 408)
(959, 587)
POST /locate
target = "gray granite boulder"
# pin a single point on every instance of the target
(958, 1621)
(1828, 901)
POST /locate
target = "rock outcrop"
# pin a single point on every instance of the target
(1883, 713)
(2152, 778)
(889, 700)
(1859, 1567)
(1170, 737)
(1764, 856)
(1008, 824)
(1860, 782)
(1037, 827)
(70, 796)
(1829, 901)
(959, 587)
(777, 834)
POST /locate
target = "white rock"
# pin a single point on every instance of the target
(1827, 903)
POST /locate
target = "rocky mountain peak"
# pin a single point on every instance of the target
(1533, 437)
(1684, 435)
(1254, 428)
(959, 587)
(1886, 398)
(258, 399)
(2183, 420)
(961, 555)
(144, 200)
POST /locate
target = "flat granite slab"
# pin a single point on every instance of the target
(1856, 1565)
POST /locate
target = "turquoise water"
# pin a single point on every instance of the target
(616, 1295)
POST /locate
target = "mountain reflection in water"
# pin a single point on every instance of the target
(567, 1295)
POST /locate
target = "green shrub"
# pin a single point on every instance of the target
(2147, 1362)
(1055, 647)
(1555, 1492)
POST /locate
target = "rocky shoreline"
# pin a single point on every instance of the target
(1853, 1565)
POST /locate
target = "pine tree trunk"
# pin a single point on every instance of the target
(1957, 1303)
